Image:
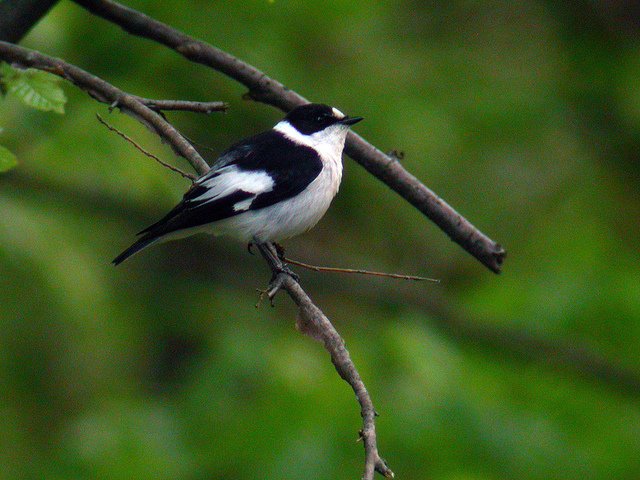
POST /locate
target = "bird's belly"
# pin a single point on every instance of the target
(288, 218)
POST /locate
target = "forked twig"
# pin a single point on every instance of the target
(104, 92)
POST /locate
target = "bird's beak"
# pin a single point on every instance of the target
(350, 120)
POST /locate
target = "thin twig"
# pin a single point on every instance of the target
(200, 145)
(190, 176)
(268, 90)
(316, 268)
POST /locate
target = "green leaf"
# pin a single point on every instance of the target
(7, 160)
(35, 88)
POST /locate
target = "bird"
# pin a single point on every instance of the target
(266, 188)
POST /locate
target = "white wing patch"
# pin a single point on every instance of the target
(244, 204)
(231, 179)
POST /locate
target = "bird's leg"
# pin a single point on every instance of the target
(282, 266)
(279, 251)
(287, 271)
(285, 267)
(250, 248)
(278, 268)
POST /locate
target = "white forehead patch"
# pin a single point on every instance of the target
(337, 113)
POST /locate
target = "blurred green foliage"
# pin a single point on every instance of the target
(525, 116)
(7, 160)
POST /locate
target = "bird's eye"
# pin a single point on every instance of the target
(319, 118)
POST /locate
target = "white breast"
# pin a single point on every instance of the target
(298, 214)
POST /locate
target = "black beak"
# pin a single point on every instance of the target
(350, 120)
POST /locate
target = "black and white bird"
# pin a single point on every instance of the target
(266, 188)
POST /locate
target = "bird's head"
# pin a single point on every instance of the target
(317, 123)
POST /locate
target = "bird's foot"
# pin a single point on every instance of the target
(265, 293)
(275, 284)
(250, 248)
(280, 269)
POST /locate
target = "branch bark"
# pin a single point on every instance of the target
(18, 16)
(184, 105)
(267, 90)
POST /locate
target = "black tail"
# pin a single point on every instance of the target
(135, 248)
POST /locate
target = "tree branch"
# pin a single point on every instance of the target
(18, 16)
(313, 322)
(267, 90)
(184, 105)
(311, 319)
(106, 93)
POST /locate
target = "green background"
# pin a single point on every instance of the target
(525, 116)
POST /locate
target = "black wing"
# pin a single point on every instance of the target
(291, 166)
(255, 173)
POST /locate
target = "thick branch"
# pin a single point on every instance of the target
(18, 16)
(184, 105)
(106, 93)
(267, 90)
(313, 322)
